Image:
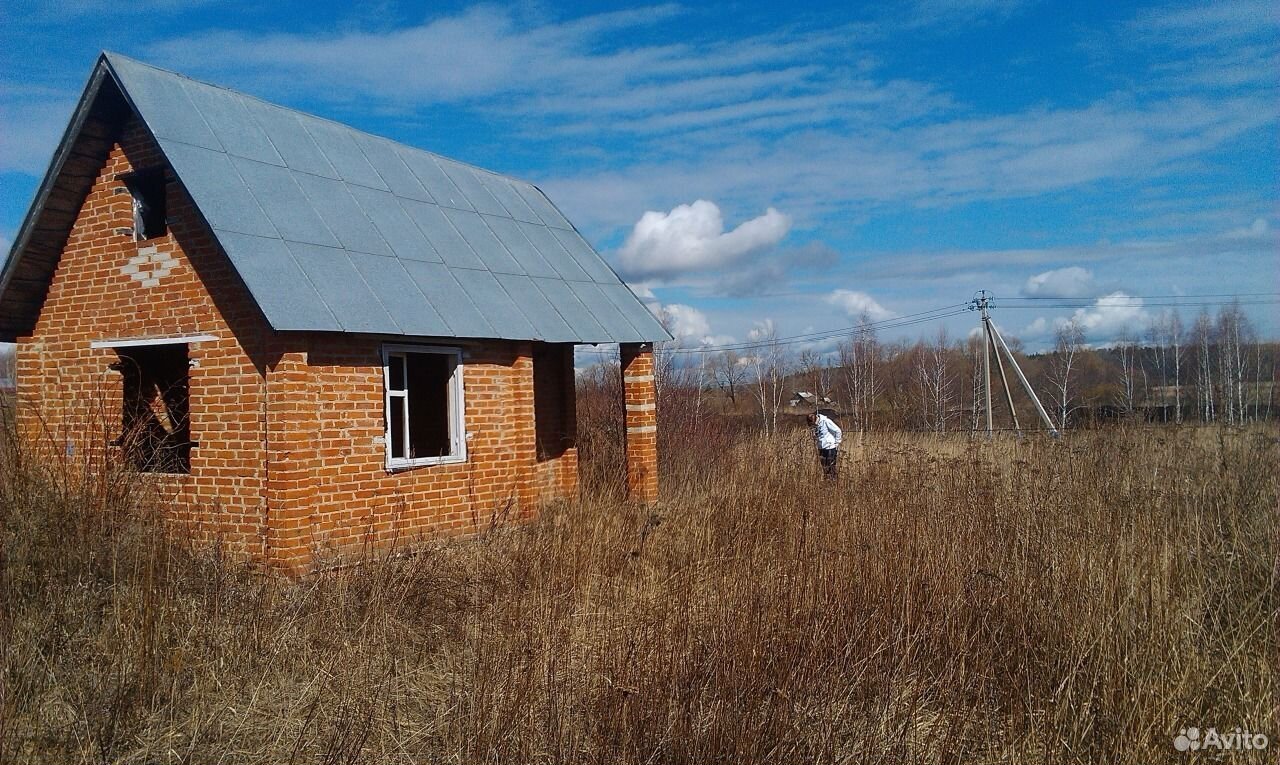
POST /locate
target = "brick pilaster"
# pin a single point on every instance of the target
(291, 448)
(642, 421)
(522, 427)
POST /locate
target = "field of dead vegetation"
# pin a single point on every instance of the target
(946, 600)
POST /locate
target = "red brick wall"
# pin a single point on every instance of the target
(330, 488)
(642, 420)
(291, 464)
(103, 289)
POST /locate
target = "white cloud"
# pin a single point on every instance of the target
(1071, 282)
(1256, 230)
(857, 304)
(1111, 315)
(687, 322)
(692, 238)
(762, 329)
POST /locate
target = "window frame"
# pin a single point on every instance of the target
(456, 403)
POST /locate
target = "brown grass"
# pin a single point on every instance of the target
(1010, 602)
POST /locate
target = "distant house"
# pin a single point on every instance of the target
(315, 338)
(807, 399)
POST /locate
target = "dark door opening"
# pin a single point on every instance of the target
(553, 399)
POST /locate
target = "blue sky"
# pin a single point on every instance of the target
(751, 163)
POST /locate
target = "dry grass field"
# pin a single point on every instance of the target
(1035, 601)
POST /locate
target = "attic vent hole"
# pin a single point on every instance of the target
(148, 190)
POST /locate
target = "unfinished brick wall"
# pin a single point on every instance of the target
(336, 495)
(642, 421)
(108, 286)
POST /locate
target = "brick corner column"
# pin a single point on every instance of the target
(640, 397)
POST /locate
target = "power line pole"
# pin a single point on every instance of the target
(993, 342)
(983, 301)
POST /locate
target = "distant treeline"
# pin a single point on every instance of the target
(1214, 370)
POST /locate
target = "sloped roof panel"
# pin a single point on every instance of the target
(342, 288)
(291, 142)
(432, 222)
(605, 312)
(539, 203)
(400, 180)
(227, 116)
(165, 106)
(576, 314)
(217, 189)
(428, 172)
(339, 147)
(548, 322)
(400, 295)
(509, 198)
(530, 260)
(584, 256)
(335, 204)
(465, 179)
(638, 314)
(483, 242)
(393, 223)
(436, 281)
(554, 253)
(334, 229)
(265, 263)
(500, 310)
(283, 202)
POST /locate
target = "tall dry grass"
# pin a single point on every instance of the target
(945, 601)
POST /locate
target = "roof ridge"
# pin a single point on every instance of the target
(110, 55)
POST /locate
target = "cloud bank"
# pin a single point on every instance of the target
(856, 305)
(1071, 282)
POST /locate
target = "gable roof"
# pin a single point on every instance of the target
(333, 229)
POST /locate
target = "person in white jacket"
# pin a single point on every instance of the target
(828, 435)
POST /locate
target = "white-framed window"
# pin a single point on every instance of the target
(423, 406)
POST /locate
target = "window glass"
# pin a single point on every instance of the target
(428, 385)
(396, 365)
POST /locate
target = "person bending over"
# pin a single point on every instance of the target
(828, 435)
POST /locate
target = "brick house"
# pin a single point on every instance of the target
(311, 338)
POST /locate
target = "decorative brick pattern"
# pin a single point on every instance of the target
(290, 466)
(149, 266)
(642, 421)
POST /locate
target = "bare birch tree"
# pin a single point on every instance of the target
(933, 381)
(1127, 350)
(859, 358)
(1202, 337)
(770, 365)
(1175, 342)
(1234, 335)
(1068, 340)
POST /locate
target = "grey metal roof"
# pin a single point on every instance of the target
(338, 230)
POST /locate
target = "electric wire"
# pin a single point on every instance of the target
(957, 309)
